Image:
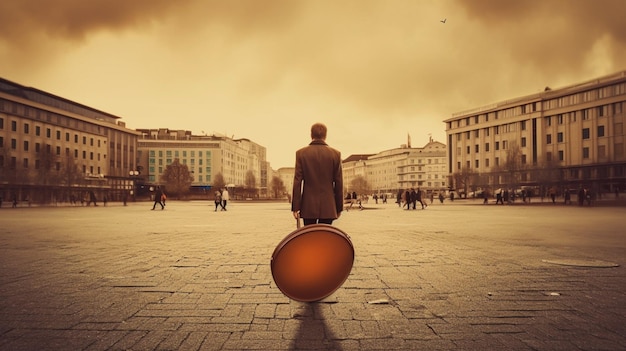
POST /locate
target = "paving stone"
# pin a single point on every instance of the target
(460, 276)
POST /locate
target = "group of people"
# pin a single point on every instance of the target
(221, 198)
(410, 197)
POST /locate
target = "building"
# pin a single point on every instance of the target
(400, 168)
(54, 149)
(205, 156)
(562, 138)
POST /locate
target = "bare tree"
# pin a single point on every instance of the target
(463, 179)
(360, 185)
(250, 184)
(513, 164)
(218, 181)
(278, 187)
(177, 178)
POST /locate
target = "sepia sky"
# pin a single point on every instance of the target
(372, 71)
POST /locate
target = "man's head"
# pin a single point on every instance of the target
(318, 131)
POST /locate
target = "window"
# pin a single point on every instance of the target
(37, 130)
(585, 133)
(486, 162)
(468, 149)
(476, 163)
(487, 147)
(497, 145)
(549, 139)
(561, 155)
(497, 159)
(14, 144)
(477, 148)
(549, 156)
(585, 152)
(504, 144)
(13, 126)
(559, 137)
(58, 135)
(48, 132)
(26, 128)
(600, 131)
(524, 142)
(523, 125)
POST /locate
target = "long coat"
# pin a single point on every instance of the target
(318, 182)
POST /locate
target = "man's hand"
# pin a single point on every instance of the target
(296, 214)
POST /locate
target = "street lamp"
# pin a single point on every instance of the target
(133, 176)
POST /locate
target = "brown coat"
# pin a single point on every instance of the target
(318, 182)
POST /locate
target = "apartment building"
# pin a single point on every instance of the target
(400, 168)
(52, 148)
(204, 155)
(567, 138)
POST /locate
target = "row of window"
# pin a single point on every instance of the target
(178, 153)
(54, 118)
(586, 154)
(26, 147)
(48, 133)
(574, 99)
(12, 164)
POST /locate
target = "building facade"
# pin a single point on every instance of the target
(204, 155)
(565, 138)
(401, 168)
(52, 148)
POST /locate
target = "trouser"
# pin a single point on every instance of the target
(308, 221)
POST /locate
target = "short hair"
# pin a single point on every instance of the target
(318, 131)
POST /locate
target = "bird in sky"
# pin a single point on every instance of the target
(443, 20)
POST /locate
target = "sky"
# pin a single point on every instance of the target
(373, 71)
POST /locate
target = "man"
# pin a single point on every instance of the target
(158, 197)
(317, 195)
(225, 198)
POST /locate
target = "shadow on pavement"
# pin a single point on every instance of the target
(313, 333)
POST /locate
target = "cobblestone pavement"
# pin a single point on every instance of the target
(457, 276)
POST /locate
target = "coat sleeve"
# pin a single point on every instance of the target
(338, 182)
(296, 194)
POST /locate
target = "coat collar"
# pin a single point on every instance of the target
(318, 142)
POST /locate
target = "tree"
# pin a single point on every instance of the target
(513, 164)
(463, 179)
(360, 185)
(218, 181)
(250, 184)
(278, 187)
(177, 178)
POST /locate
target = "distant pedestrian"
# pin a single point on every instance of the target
(163, 198)
(567, 197)
(418, 198)
(158, 196)
(217, 199)
(92, 198)
(414, 198)
(485, 197)
(399, 198)
(581, 196)
(441, 197)
(407, 199)
(225, 198)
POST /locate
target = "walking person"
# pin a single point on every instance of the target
(217, 199)
(225, 198)
(158, 195)
(318, 180)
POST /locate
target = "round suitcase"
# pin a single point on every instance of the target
(312, 262)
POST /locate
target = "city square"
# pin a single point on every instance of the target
(455, 276)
